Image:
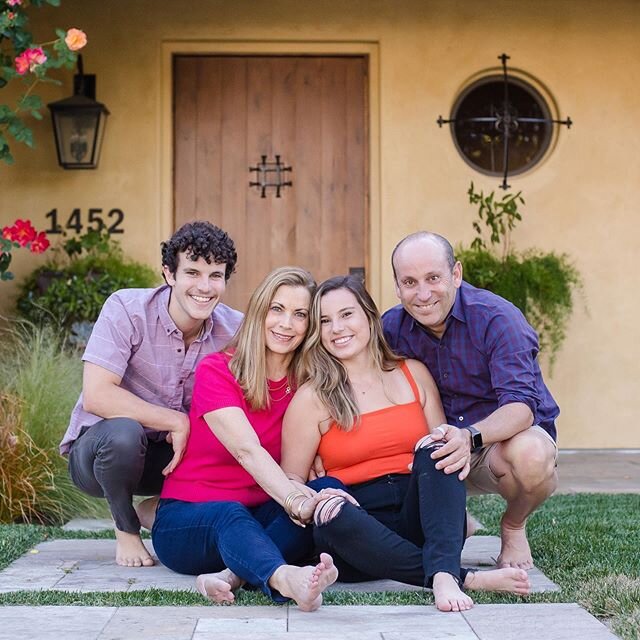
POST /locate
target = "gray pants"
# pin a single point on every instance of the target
(114, 459)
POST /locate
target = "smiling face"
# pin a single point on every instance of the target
(287, 319)
(196, 289)
(345, 330)
(425, 283)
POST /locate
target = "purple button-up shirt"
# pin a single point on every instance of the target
(486, 358)
(135, 338)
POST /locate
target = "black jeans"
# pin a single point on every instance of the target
(114, 459)
(408, 527)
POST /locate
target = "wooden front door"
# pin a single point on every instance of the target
(312, 112)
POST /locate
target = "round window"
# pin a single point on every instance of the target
(481, 118)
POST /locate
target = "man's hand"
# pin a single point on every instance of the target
(455, 454)
(177, 438)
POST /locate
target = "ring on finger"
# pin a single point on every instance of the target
(442, 430)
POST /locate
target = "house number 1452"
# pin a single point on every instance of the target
(95, 220)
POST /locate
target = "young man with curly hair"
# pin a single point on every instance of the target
(130, 425)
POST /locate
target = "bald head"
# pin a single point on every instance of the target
(428, 238)
(427, 279)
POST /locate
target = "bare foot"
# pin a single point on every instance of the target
(448, 595)
(515, 551)
(305, 584)
(219, 587)
(130, 551)
(510, 580)
(146, 511)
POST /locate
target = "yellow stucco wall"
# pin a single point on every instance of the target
(582, 200)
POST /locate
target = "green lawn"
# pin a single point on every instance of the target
(587, 543)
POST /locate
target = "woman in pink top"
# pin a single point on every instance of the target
(228, 503)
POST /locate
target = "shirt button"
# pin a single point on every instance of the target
(181, 381)
(460, 418)
(445, 376)
(179, 350)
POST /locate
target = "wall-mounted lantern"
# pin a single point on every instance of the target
(78, 124)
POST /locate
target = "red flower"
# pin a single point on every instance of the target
(22, 232)
(40, 243)
(30, 60)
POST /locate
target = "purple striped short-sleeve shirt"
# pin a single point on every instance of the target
(135, 338)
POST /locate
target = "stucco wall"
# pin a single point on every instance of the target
(582, 200)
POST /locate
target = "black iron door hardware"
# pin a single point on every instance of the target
(270, 174)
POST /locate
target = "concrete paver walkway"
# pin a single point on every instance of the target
(483, 622)
(88, 565)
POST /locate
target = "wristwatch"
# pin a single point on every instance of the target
(476, 438)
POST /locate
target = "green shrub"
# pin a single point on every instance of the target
(40, 382)
(72, 287)
(539, 284)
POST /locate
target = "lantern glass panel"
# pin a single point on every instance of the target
(77, 133)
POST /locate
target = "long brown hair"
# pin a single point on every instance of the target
(326, 374)
(249, 363)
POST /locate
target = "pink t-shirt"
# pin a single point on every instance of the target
(208, 471)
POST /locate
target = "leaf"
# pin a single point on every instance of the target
(30, 102)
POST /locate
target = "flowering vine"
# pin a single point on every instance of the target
(21, 234)
(23, 60)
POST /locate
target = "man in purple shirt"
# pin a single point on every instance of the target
(482, 354)
(130, 425)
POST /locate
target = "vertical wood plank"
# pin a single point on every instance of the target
(283, 119)
(184, 173)
(235, 168)
(334, 166)
(256, 262)
(208, 153)
(356, 153)
(307, 173)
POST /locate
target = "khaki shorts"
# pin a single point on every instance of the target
(481, 478)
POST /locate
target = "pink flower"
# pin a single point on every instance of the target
(13, 3)
(75, 39)
(22, 232)
(29, 60)
(40, 243)
(10, 15)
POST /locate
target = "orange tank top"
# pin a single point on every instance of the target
(382, 443)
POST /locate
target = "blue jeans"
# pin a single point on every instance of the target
(408, 527)
(204, 537)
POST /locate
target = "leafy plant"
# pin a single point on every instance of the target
(22, 59)
(39, 384)
(72, 287)
(540, 284)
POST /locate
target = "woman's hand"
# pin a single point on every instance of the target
(304, 507)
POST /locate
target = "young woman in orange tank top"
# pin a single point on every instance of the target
(365, 410)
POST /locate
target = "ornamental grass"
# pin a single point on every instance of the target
(39, 384)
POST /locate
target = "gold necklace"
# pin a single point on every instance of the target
(363, 391)
(285, 385)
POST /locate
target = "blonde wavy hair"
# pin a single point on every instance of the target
(326, 374)
(248, 362)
